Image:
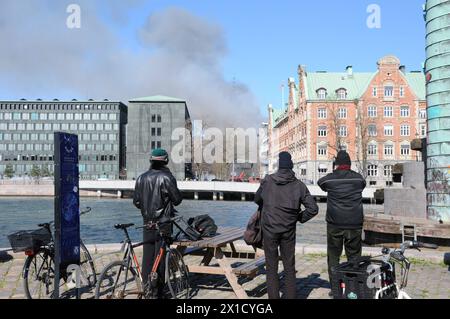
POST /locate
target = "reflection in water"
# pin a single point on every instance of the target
(97, 226)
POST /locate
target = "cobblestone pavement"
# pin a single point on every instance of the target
(427, 279)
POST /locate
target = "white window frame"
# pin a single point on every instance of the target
(322, 113)
(388, 147)
(388, 111)
(388, 130)
(321, 129)
(404, 111)
(405, 130)
(342, 113)
(343, 131)
(372, 170)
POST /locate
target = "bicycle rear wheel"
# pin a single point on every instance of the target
(87, 265)
(118, 281)
(177, 278)
(39, 275)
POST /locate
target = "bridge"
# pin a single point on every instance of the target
(217, 190)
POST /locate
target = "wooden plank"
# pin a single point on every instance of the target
(250, 268)
(222, 240)
(207, 270)
(186, 243)
(231, 277)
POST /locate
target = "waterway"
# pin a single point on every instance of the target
(98, 226)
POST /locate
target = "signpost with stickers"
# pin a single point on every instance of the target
(67, 203)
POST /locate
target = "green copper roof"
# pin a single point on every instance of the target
(355, 84)
(158, 98)
(417, 82)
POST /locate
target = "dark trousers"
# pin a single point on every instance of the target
(338, 238)
(152, 244)
(286, 243)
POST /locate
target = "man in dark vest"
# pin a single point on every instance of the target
(156, 193)
(281, 196)
(344, 211)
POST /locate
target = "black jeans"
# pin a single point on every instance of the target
(286, 243)
(152, 244)
(350, 239)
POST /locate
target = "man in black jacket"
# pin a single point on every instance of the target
(156, 193)
(344, 210)
(281, 196)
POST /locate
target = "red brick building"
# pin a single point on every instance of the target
(374, 116)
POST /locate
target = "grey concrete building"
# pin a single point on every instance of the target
(151, 123)
(27, 128)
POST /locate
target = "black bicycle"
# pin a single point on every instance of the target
(123, 279)
(39, 269)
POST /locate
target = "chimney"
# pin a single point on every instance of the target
(402, 68)
(349, 70)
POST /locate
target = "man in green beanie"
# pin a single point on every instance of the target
(155, 194)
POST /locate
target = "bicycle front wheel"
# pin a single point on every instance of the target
(177, 277)
(118, 281)
(39, 275)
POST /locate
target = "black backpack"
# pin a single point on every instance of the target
(185, 231)
(204, 224)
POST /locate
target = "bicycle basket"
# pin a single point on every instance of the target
(29, 239)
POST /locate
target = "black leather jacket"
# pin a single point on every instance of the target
(156, 193)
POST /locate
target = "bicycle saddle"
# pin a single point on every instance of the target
(123, 226)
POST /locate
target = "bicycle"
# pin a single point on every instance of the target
(123, 279)
(391, 257)
(39, 269)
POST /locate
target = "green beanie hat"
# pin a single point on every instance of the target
(159, 155)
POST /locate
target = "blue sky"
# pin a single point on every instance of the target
(268, 39)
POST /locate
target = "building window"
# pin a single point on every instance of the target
(322, 131)
(388, 91)
(402, 91)
(388, 170)
(342, 114)
(372, 170)
(322, 113)
(388, 150)
(16, 116)
(158, 131)
(423, 130)
(372, 111)
(404, 111)
(153, 131)
(374, 91)
(322, 150)
(404, 150)
(34, 116)
(322, 94)
(388, 111)
(423, 114)
(341, 94)
(404, 130)
(323, 170)
(372, 149)
(372, 130)
(342, 131)
(388, 130)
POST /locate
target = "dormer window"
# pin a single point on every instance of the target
(322, 93)
(341, 94)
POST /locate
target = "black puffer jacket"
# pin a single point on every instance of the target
(281, 196)
(156, 193)
(344, 205)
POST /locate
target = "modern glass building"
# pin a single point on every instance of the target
(27, 127)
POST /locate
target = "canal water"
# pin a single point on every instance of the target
(98, 226)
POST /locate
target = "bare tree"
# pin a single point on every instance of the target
(362, 139)
(335, 124)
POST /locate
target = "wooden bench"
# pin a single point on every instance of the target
(251, 268)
